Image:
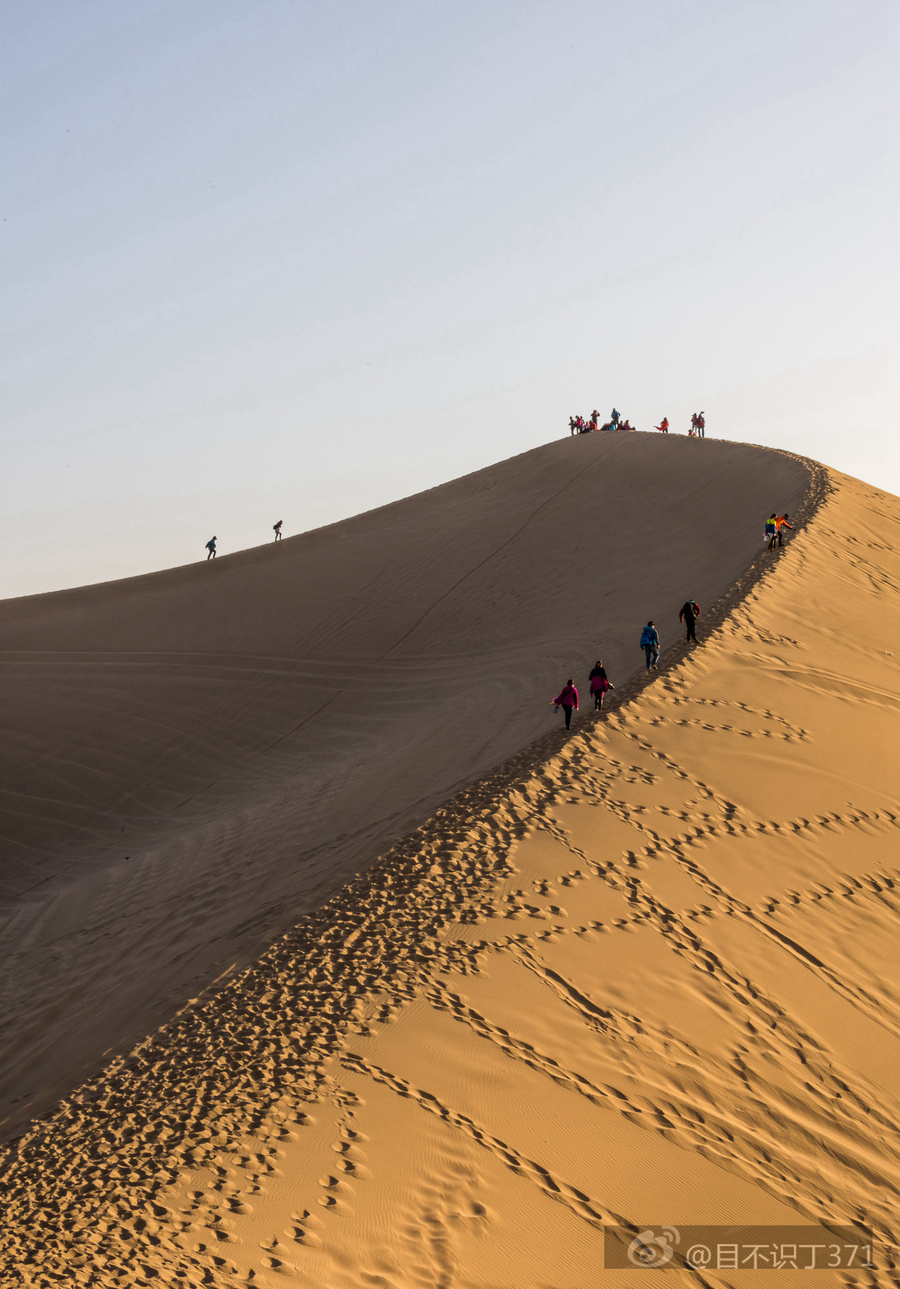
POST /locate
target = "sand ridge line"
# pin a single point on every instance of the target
(394, 745)
(552, 783)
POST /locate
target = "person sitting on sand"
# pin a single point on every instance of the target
(276, 529)
(600, 684)
(211, 547)
(663, 426)
(650, 645)
(771, 531)
(690, 611)
(626, 426)
(781, 522)
(567, 699)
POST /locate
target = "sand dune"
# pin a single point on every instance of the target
(196, 758)
(643, 974)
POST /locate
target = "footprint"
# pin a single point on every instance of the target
(334, 1205)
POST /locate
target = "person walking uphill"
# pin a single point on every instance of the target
(567, 699)
(690, 611)
(781, 522)
(650, 645)
(276, 529)
(600, 684)
(211, 547)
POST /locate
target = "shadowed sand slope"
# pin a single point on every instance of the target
(251, 731)
(644, 974)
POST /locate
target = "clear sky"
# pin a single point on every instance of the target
(292, 260)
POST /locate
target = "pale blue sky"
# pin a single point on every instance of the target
(293, 260)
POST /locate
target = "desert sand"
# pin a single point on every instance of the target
(519, 985)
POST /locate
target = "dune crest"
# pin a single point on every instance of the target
(644, 974)
(197, 758)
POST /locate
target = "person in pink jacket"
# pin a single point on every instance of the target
(567, 698)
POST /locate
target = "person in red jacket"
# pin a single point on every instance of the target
(567, 699)
(690, 611)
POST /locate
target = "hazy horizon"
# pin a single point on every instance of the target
(296, 263)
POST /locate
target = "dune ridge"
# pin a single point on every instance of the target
(197, 758)
(642, 974)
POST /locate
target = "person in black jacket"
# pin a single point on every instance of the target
(600, 684)
(690, 611)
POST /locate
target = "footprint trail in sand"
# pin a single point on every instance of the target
(644, 974)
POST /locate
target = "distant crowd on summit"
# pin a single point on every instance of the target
(578, 425)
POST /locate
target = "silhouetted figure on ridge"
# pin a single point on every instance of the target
(690, 611)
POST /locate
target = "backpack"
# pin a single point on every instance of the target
(647, 636)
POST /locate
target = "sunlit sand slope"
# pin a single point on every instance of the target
(648, 977)
(194, 759)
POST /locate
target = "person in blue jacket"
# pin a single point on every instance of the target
(650, 645)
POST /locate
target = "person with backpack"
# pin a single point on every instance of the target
(567, 699)
(771, 531)
(650, 645)
(211, 547)
(276, 529)
(600, 684)
(690, 611)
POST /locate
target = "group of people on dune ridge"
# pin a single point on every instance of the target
(599, 682)
(567, 698)
(774, 532)
(211, 544)
(578, 425)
